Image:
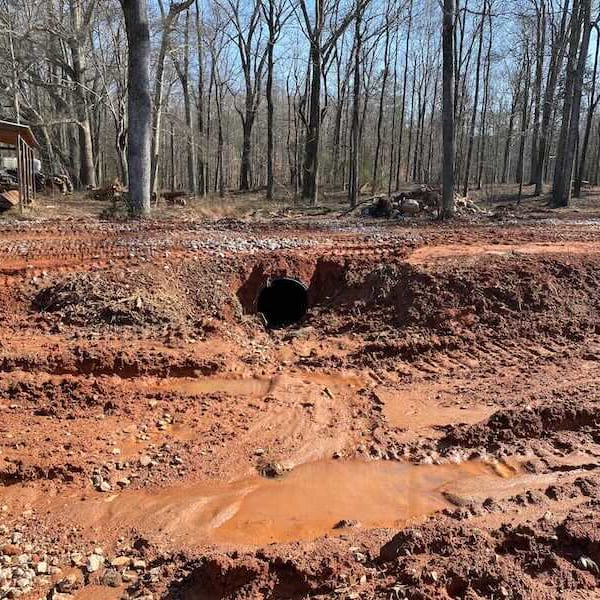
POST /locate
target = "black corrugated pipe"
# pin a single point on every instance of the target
(282, 302)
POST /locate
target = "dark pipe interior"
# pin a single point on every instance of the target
(283, 302)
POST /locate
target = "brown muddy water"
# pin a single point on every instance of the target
(305, 503)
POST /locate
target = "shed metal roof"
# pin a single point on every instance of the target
(10, 131)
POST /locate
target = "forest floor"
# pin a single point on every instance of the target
(430, 430)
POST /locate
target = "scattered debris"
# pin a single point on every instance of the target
(423, 199)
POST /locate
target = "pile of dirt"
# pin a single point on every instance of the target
(509, 425)
(135, 297)
(559, 299)
(63, 399)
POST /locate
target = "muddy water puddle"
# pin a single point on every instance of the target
(254, 387)
(304, 504)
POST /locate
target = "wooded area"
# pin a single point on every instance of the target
(303, 95)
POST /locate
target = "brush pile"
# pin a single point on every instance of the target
(421, 200)
(97, 298)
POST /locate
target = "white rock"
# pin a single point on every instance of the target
(94, 562)
(41, 568)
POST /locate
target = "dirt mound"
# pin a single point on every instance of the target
(491, 293)
(441, 560)
(506, 426)
(148, 297)
(62, 399)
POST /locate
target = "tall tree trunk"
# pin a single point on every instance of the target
(593, 102)
(202, 168)
(183, 73)
(410, 127)
(403, 104)
(393, 132)
(172, 184)
(139, 105)
(524, 121)
(447, 209)
(467, 174)
(374, 180)
(565, 159)
(353, 187)
(539, 70)
(509, 133)
(310, 166)
(87, 172)
(556, 59)
(219, 175)
(270, 107)
(486, 98)
(158, 103)
(168, 22)
(245, 165)
(431, 127)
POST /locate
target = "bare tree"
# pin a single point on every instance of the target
(253, 55)
(569, 132)
(557, 52)
(321, 46)
(447, 209)
(275, 17)
(182, 66)
(168, 22)
(592, 104)
(139, 105)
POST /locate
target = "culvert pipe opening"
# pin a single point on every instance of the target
(283, 302)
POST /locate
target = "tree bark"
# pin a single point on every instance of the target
(353, 184)
(556, 59)
(486, 98)
(475, 102)
(403, 104)
(183, 73)
(565, 159)
(310, 166)
(524, 121)
(375, 178)
(269, 91)
(447, 209)
(202, 168)
(588, 125)
(539, 69)
(165, 42)
(139, 105)
(509, 134)
(87, 172)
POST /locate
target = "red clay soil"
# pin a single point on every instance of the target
(431, 429)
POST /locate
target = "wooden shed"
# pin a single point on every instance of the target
(20, 138)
